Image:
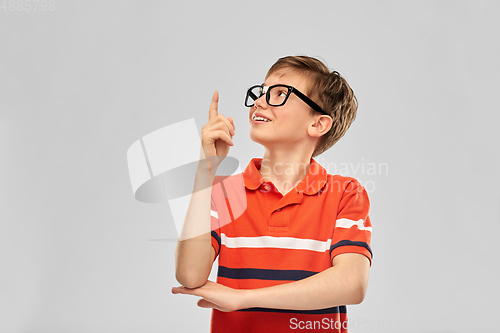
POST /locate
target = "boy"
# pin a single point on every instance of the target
(300, 251)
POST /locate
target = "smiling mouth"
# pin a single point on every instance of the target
(261, 119)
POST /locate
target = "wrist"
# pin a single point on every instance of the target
(246, 299)
(205, 172)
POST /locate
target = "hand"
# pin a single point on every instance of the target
(217, 134)
(215, 295)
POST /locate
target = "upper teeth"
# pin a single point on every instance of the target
(260, 118)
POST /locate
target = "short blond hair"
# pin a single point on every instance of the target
(329, 90)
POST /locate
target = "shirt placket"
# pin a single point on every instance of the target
(278, 214)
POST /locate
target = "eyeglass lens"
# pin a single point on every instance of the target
(277, 95)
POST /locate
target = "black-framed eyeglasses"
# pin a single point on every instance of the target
(277, 95)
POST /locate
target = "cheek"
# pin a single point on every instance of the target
(251, 111)
(292, 121)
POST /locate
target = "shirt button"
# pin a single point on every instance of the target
(278, 209)
(266, 187)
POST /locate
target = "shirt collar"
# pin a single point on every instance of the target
(314, 181)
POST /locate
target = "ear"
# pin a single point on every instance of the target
(321, 126)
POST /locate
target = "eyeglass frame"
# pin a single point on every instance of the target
(291, 89)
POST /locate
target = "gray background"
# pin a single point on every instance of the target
(80, 84)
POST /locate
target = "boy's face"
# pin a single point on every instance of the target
(289, 123)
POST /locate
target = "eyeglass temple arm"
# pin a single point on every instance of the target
(308, 101)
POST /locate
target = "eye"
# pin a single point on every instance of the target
(282, 93)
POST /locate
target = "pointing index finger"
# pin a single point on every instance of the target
(214, 105)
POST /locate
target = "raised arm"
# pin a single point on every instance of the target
(194, 254)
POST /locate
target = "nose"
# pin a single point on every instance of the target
(260, 102)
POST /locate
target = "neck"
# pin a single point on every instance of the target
(285, 170)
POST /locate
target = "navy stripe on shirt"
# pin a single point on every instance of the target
(347, 242)
(335, 309)
(217, 238)
(263, 274)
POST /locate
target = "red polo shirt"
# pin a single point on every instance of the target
(263, 238)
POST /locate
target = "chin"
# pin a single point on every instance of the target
(256, 138)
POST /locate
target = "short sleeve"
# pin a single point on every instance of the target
(215, 227)
(353, 229)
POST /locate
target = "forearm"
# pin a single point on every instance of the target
(193, 252)
(332, 287)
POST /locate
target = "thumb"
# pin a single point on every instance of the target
(203, 303)
(231, 121)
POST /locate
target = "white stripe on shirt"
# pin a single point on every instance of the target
(276, 242)
(346, 223)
